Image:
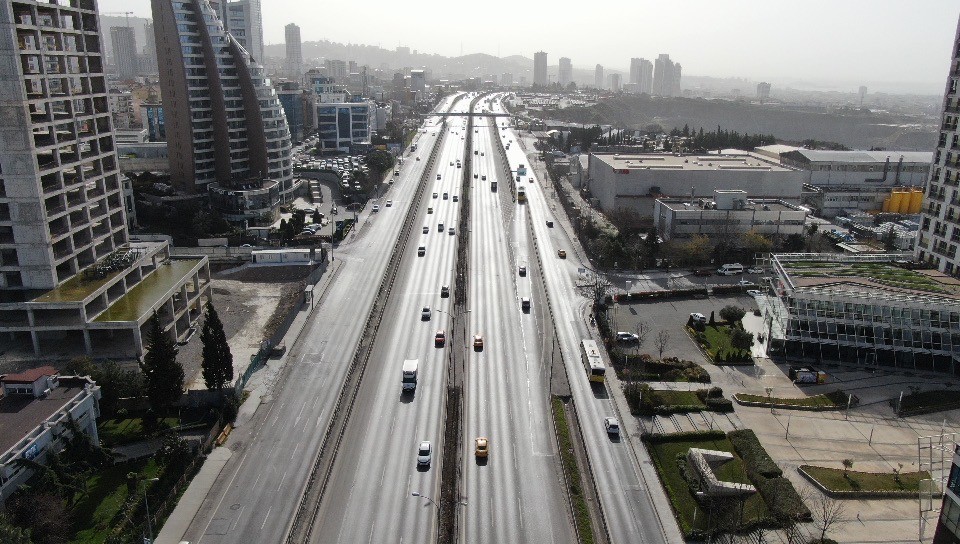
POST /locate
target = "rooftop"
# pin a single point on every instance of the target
(21, 414)
(659, 161)
(141, 299)
(81, 286)
(869, 275)
(870, 157)
(705, 204)
(30, 375)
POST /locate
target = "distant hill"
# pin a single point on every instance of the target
(854, 129)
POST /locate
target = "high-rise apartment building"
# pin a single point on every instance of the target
(675, 88)
(506, 79)
(641, 75)
(540, 68)
(664, 81)
(148, 60)
(337, 69)
(635, 70)
(565, 72)
(598, 77)
(124, 51)
(70, 279)
(294, 53)
(763, 91)
(940, 227)
(244, 21)
(224, 123)
(614, 82)
(418, 81)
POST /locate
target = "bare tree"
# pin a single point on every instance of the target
(643, 330)
(661, 342)
(827, 513)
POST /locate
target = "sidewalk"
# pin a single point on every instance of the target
(260, 384)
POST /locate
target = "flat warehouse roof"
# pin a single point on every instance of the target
(658, 161)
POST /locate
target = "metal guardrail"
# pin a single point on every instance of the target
(303, 522)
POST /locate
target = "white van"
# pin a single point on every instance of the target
(730, 269)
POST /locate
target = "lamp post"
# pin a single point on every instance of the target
(431, 501)
(146, 505)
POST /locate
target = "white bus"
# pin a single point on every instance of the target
(592, 361)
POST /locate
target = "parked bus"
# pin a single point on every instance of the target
(592, 361)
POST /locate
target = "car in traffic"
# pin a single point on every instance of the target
(440, 339)
(444, 291)
(426, 229)
(612, 426)
(562, 253)
(429, 210)
(438, 177)
(421, 251)
(446, 196)
(549, 224)
(389, 203)
(745, 283)
(522, 271)
(435, 195)
(754, 293)
(755, 270)
(477, 342)
(451, 231)
(425, 313)
(698, 317)
(424, 454)
(626, 337)
(525, 304)
(703, 272)
(456, 198)
(376, 208)
(483, 177)
(481, 447)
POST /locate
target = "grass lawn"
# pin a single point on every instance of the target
(95, 510)
(678, 398)
(930, 401)
(718, 338)
(581, 512)
(834, 480)
(837, 399)
(664, 457)
(115, 432)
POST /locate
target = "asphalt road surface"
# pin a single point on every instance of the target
(257, 493)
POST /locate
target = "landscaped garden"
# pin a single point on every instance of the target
(850, 481)
(644, 368)
(776, 503)
(643, 400)
(883, 273)
(725, 342)
(926, 402)
(835, 399)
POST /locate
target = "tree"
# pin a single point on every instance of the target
(741, 339)
(653, 246)
(115, 381)
(217, 361)
(163, 374)
(793, 243)
(379, 162)
(316, 219)
(696, 249)
(847, 465)
(11, 534)
(753, 242)
(45, 514)
(827, 514)
(661, 342)
(732, 314)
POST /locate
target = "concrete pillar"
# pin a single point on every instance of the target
(36, 343)
(138, 340)
(86, 342)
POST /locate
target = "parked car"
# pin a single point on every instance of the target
(698, 317)
(754, 293)
(624, 336)
(745, 283)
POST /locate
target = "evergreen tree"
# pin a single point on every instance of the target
(163, 374)
(217, 360)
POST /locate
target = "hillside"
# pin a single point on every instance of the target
(857, 130)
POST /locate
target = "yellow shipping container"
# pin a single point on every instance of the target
(916, 201)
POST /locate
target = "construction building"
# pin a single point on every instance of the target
(727, 213)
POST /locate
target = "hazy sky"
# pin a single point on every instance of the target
(905, 43)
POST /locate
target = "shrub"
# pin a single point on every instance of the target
(719, 404)
(782, 499)
(756, 459)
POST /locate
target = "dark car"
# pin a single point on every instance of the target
(703, 272)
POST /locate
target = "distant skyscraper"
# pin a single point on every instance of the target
(940, 227)
(294, 53)
(863, 94)
(675, 88)
(224, 126)
(565, 73)
(664, 80)
(763, 91)
(635, 70)
(614, 82)
(148, 63)
(598, 77)
(245, 23)
(645, 84)
(506, 79)
(124, 51)
(540, 68)
(418, 81)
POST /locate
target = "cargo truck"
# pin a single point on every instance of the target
(409, 374)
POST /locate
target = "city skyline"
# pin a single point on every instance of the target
(885, 45)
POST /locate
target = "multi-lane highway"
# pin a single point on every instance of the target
(257, 493)
(627, 506)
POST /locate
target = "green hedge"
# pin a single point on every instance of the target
(684, 437)
(927, 402)
(751, 451)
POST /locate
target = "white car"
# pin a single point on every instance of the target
(389, 203)
(424, 454)
(624, 336)
(745, 283)
(376, 208)
(696, 316)
(612, 426)
(754, 293)
(755, 270)
(425, 313)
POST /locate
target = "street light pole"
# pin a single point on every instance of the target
(146, 505)
(431, 501)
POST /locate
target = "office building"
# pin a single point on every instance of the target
(948, 524)
(124, 52)
(506, 79)
(418, 81)
(635, 64)
(345, 126)
(337, 69)
(540, 69)
(151, 119)
(298, 105)
(763, 91)
(863, 94)
(294, 52)
(71, 281)
(225, 128)
(244, 21)
(148, 60)
(634, 181)
(614, 82)
(122, 109)
(940, 227)
(565, 72)
(727, 213)
(598, 77)
(675, 90)
(666, 77)
(864, 311)
(38, 411)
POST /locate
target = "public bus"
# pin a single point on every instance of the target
(521, 195)
(592, 361)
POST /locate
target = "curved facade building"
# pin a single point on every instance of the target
(224, 122)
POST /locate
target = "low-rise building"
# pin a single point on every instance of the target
(634, 181)
(727, 213)
(345, 126)
(250, 203)
(36, 407)
(864, 310)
